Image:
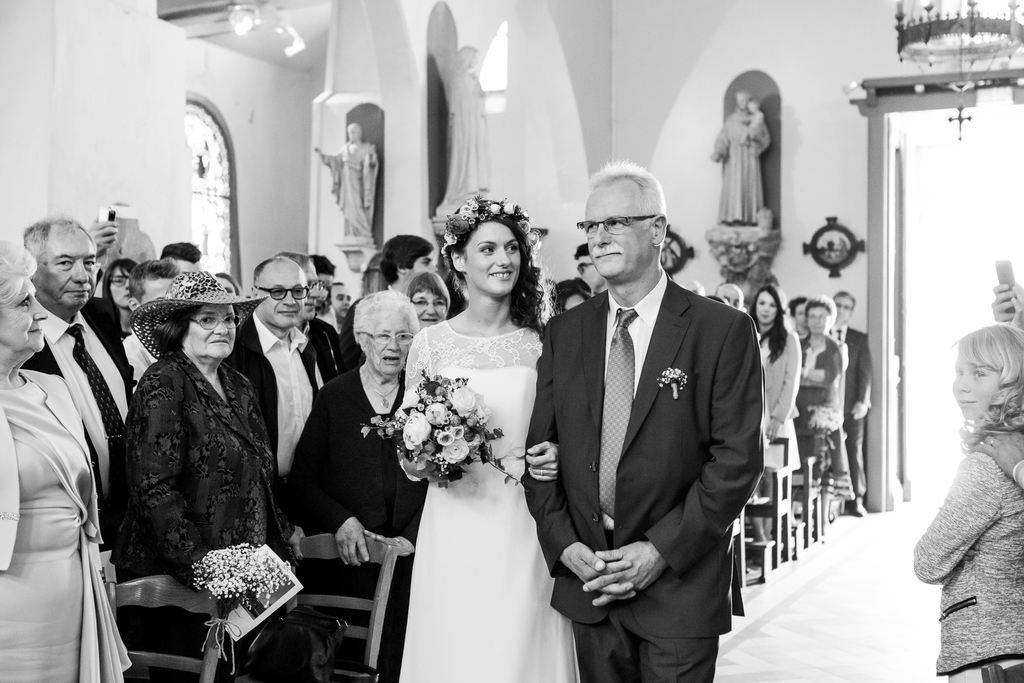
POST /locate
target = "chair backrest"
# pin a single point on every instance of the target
(325, 547)
(166, 591)
(777, 457)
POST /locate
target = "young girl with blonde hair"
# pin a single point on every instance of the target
(973, 546)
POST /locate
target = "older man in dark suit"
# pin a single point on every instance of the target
(857, 400)
(83, 345)
(655, 397)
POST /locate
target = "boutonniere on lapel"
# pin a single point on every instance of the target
(673, 377)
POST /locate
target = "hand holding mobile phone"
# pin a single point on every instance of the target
(1004, 271)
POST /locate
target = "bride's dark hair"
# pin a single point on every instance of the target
(530, 302)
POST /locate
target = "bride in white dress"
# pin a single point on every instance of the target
(480, 606)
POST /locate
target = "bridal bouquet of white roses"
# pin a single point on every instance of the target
(444, 431)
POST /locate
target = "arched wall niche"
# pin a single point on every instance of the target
(442, 45)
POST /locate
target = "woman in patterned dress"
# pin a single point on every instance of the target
(199, 463)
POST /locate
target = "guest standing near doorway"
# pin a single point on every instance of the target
(857, 397)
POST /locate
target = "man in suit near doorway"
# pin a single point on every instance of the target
(857, 399)
(655, 397)
(83, 345)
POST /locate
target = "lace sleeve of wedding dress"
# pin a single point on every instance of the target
(416, 364)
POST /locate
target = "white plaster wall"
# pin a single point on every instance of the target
(116, 131)
(812, 50)
(267, 112)
(26, 39)
(92, 113)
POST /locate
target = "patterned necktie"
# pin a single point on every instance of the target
(618, 404)
(113, 425)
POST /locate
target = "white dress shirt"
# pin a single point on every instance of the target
(640, 330)
(62, 345)
(294, 393)
(138, 356)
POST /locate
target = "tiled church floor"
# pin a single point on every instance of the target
(854, 611)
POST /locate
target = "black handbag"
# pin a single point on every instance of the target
(298, 647)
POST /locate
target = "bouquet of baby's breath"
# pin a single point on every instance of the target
(239, 575)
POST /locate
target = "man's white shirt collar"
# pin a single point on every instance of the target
(647, 308)
(54, 328)
(295, 340)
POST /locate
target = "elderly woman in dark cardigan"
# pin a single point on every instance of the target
(352, 486)
(199, 461)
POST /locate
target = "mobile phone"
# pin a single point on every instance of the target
(1004, 271)
(107, 213)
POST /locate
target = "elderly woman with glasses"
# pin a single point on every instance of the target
(199, 463)
(55, 622)
(353, 487)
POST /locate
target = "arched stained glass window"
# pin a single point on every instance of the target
(211, 187)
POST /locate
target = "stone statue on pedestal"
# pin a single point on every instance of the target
(743, 139)
(745, 240)
(354, 174)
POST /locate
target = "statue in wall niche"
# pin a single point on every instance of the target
(745, 239)
(743, 139)
(469, 157)
(354, 174)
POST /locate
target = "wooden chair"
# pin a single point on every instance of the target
(778, 509)
(324, 547)
(812, 500)
(166, 591)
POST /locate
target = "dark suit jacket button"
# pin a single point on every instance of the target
(593, 467)
(595, 518)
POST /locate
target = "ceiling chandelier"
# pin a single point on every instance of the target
(956, 32)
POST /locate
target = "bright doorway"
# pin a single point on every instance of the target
(962, 213)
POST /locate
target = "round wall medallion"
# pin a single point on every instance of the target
(675, 252)
(833, 246)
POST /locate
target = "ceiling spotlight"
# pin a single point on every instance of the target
(244, 18)
(298, 44)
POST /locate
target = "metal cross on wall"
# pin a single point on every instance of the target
(960, 118)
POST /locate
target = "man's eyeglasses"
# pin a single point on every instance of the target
(403, 338)
(278, 293)
(317, 286)
(613, 225)
(210, 322)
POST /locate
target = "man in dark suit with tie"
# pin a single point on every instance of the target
(857, 399)
(654, 395)
(83, 345)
